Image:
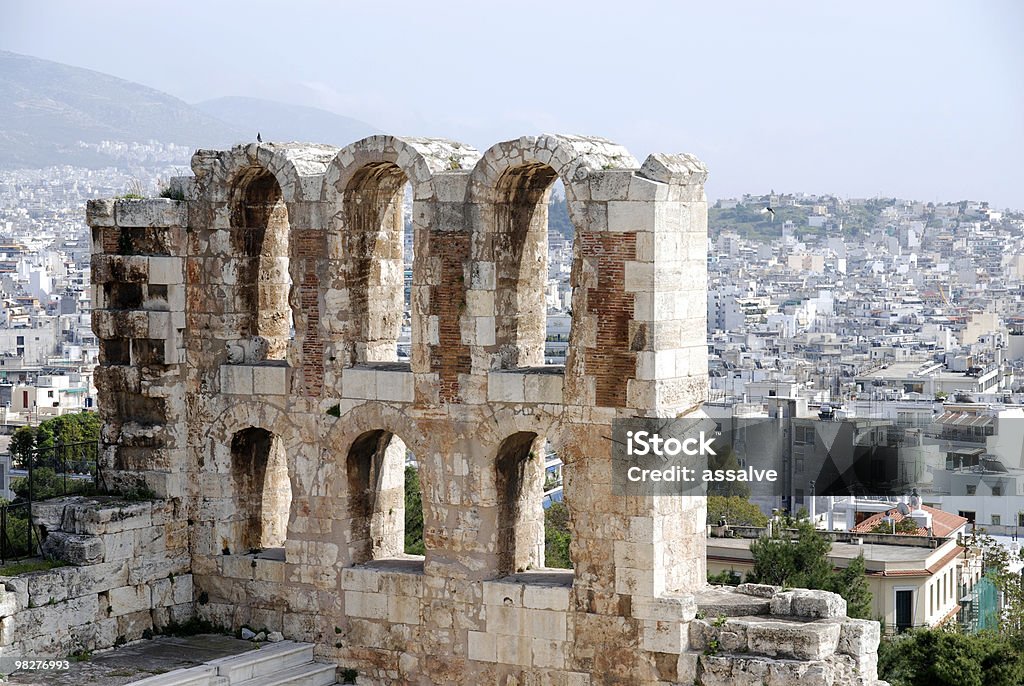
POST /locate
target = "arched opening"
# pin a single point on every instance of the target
(378, 468)
(529, 268)
(556, 513)
(262, 491)
(558, 289)
(259, 239)
(519, 482)
(375, 228)
(404, 351)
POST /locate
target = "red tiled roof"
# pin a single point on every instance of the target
(943, 523)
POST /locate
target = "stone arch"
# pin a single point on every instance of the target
(259, 469)
(297, 168)
(519, 469)
(363, 188)
(375, 483)
(510, 187)
(261, 489)
(366, 497)
(271, 190)
(516, 477)
(259, 239)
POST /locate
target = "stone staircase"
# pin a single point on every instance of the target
(275, 664)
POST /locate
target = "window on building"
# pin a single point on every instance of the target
(971, 489)
(996, 520)
(997, 489)
(968, 515)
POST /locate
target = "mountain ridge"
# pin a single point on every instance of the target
(48, 110)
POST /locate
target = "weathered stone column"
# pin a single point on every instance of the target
(139, 317)
(638, 558)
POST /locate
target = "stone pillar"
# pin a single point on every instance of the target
(139, 317)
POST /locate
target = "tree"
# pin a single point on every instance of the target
(944, 657)
(66, 429)
(69, 428)
(734, 510)
(413, 513)
(726, 459)
(802, 562)
(556, 536)
(23, 442)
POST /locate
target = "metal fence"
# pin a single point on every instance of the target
(49, 472)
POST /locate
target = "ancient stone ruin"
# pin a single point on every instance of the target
(249, 378)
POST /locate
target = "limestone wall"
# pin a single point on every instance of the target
(250, 376)
(129, 576)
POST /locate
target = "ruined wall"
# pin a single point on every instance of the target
(211, 405)
(128, 575)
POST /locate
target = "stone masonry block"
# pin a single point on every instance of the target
(359, 383)
(166, 270)
(154, 212)
(503, 594)
(128, 599)
(366, 605)
(394, 386)
(236, 379)
(793, 640)
(270, 380)
(859, 637)
(99, 213)
(545, 597)
(506, 387)
(543, 388)
(628, 216)
(665, 636)
(482, 646)
(805, 603)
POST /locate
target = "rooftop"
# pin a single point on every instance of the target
(879, 559)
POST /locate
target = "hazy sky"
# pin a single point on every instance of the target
(914, 99)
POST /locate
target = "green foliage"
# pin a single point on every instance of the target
(904, 526)
(172, 193)
(940, 657)
(556, 537)
(69, 428)
(725, 578)
(63, 430)
(22, 443)
(803, 563)
(334, 410)
(735, 510)
(47, 483)
(726, 459)
(558, 219)
(26, 566)
(413, 513)
(750, 222)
